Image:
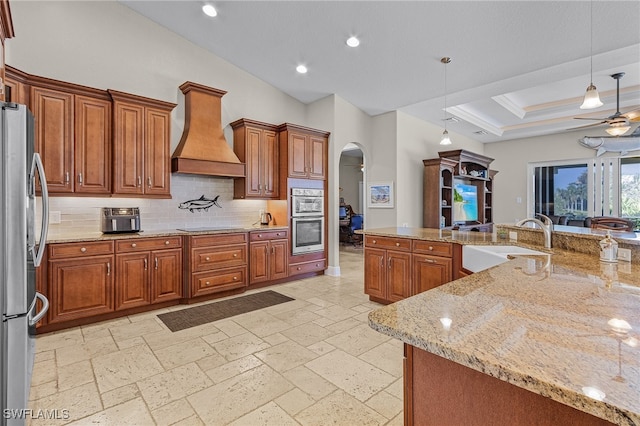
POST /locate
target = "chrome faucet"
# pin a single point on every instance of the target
(545, 224)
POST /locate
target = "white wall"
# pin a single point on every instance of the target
(418, 140)
(511, 160)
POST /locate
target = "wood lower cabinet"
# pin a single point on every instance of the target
(387, 268)
(256, 145)
(71, 293)
(141, 141)
(217, 263)
(148, 271)
(397, 268)
(269, 253)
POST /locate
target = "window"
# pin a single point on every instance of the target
(596, 187)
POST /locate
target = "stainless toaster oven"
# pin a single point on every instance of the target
(119, 220)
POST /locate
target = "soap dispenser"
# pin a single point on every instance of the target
(608, 249)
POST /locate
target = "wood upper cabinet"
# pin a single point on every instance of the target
(73, 136)
(141, 142)
(269, 256)
(6, 31)
(72, 296)
(256, 145)
(16, 86)
(303, 151)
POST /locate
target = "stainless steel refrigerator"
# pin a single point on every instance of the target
(19, 256)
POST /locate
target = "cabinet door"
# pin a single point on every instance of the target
(132, 280)
(166, 276)
(259, 262)
(298, 155)
(17, 90)
(279, 259)
(157, 166)
(128, 148)
(398, 275)
(92, 145)
(317, 158)
(375, 272)
(430, 272)
(75, 296)
(53, 111)
(254, 162)
(270, 164)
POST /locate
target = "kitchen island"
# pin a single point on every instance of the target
(535, 340)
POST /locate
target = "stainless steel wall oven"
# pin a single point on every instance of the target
(307, 220)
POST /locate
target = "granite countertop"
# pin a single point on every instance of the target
(565, 325)
(69, 237)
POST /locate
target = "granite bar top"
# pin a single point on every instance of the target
(563, 325)
(69, 237)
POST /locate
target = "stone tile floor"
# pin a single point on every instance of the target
(312, 361)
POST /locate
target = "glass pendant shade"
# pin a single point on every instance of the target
(445, 138)
(591, 98)
(617, 130)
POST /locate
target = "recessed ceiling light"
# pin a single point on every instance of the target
(353, 42)
(301, 69)
(209, 10)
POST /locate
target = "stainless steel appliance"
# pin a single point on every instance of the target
(116, 220)
(265, 218)
(307, 202)
(19, 256)
(307, 220)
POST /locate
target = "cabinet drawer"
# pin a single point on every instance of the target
(268, 235)
(207, 258)
(400, 244)
(433, 248)
(147, 244)
(90, 248)
(303, 268)
(220, 280)
(218, 239)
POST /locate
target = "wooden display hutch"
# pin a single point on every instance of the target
(441, 177)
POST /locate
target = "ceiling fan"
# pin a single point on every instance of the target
(618, 122)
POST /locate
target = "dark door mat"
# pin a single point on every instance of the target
(198, 315)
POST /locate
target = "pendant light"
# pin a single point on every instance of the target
(445, 135)
(591, 98)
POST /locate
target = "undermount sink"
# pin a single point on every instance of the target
(480, 257)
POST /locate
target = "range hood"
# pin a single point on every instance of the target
(203, 149)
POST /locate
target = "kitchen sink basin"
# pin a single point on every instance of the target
(480, 257)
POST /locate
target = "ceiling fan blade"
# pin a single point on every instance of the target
(585, 118)
(588, 125)
(633, 115)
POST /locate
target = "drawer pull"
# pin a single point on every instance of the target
(149, 181)
(80, 181)
(235, 278)
(235, 254)
(298, 268)
(374, 241)
(207, 283)
(207, 258)
(83, 249)
(66, 178)
(277, 234)
(166, 243)
(317, 265)
(134, 245)
(431, 248)
(397, 244)
(259, 235)
(430, 261)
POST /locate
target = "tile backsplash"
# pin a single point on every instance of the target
(82, 214)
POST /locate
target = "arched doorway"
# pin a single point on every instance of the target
(351, 193)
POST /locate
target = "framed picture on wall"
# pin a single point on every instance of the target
(380, 195)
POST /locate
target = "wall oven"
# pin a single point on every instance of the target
(307, 220)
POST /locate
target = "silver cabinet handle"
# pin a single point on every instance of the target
(149, 181)
(389, 263)
(430, 261)
(83, 249)
(374, 241)
(66, 178)
(108, 268)
(259, 235)
(235, 254)
(397, 244)
(431, 248)
(134, 245)
(207, 283)
(207, 258)
(235, 278)
(145, 264)
(166, 243)
(80, 178)
(156, 263)
(273, 250)
(139, 181)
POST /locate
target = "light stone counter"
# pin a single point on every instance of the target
(540, 323)
(69, 237)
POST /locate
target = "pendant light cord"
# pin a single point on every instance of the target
(591, 37)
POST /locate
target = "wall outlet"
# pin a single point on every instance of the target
(54, 217)
(624, 254)
(513, 235)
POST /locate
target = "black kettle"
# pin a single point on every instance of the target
(265, 218)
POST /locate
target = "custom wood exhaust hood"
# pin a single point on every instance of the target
(203, 149)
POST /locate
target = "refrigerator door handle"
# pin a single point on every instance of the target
(45, 307)
(37, 163)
